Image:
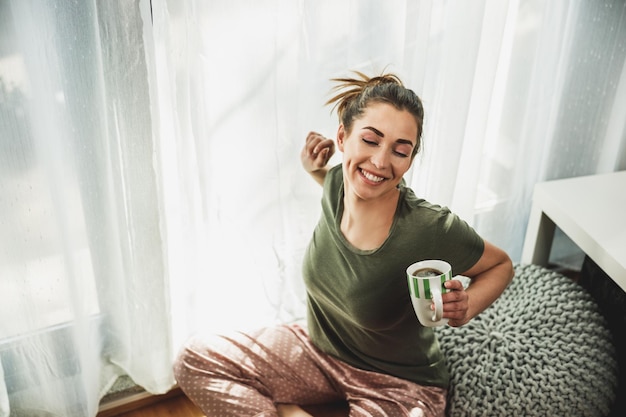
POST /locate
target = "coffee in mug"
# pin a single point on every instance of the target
(427, 272)
(426, 279)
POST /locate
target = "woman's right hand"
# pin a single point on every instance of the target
(316, 153)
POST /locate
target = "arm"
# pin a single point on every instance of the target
(315, 154)
(490, 276)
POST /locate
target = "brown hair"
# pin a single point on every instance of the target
(355, 94)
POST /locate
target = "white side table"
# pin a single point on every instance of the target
(591, 210)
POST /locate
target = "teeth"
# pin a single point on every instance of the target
(372, 177)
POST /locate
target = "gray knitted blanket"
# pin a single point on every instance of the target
(542, 349)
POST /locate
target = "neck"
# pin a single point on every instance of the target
(366, 223)
(359, 208)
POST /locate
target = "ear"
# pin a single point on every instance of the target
(341, 136)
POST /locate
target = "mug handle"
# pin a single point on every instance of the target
(436, 296)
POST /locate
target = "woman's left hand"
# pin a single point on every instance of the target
(455, 303)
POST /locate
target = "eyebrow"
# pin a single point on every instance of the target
(382, 135)
(373, 129)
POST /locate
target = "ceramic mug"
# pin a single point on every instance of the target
(426, 288)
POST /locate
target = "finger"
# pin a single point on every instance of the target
(331, 151)
(322, 144)
(453, 284)
(455, 312)
(315, 145)
(309, 147)
(455, 309)
(318, 159)
(454, 297)
(452, 307)
(312, 135)
(456, 323)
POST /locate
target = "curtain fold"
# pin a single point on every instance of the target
(83, 294)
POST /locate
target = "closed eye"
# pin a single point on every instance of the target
(396, 152)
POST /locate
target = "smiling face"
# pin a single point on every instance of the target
(377, 151)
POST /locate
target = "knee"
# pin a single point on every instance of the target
(199, 357)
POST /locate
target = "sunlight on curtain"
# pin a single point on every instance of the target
(544, 104)
(239, 85)
(238, 208)
(82, 289)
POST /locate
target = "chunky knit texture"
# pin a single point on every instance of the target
(542, 349)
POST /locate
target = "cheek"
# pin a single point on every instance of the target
(352, 150)
(401, 168)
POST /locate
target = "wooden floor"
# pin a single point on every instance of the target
(178, 406)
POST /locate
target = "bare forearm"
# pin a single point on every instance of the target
(319, 175)
(489, 278)
(486, 287)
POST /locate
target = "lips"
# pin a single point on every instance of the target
(371, 177)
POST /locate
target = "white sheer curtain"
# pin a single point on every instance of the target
(515, 92)
(519, 92)
(83, 295)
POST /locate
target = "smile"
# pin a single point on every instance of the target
(371, 177)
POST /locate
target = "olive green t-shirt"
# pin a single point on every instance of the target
(359, 308)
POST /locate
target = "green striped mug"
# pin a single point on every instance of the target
(426, 290)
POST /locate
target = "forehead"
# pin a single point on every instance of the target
(393, 123)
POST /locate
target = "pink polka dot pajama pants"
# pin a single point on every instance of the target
(248, 374)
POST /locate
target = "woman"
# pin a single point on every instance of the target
(363, 343)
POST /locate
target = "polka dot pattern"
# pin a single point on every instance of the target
(247, 374)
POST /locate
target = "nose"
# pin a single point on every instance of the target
(380, 158)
